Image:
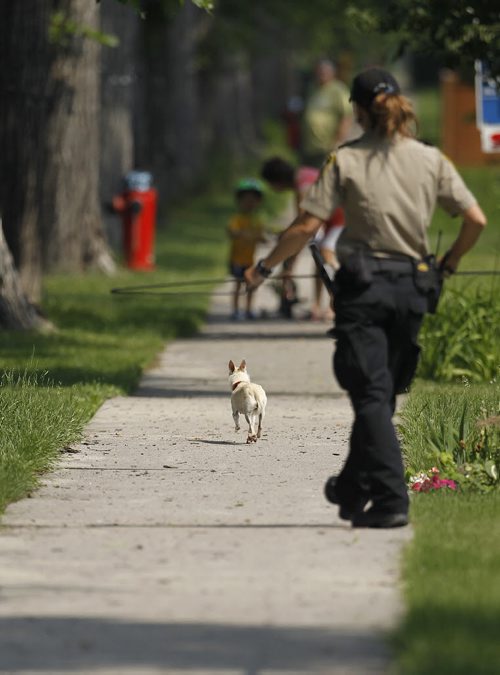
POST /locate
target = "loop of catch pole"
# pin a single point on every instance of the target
(149, 289)
(154, 289)
(163, 294)
(477, 273)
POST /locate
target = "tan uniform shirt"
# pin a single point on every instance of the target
(389, 189)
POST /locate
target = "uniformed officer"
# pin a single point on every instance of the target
(388, 184)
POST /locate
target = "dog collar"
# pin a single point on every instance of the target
(236, 384)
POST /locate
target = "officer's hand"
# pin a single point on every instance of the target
(252, 278)
(448, 264)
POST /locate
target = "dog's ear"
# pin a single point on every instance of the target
(231, 367)
(243, 365)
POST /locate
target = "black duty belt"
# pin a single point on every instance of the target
(390, 265)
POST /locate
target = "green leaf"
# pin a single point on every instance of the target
(62, 29)
(207, 5)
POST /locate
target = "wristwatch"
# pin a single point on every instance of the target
(262, 270)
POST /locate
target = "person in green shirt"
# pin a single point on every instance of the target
(327, 115)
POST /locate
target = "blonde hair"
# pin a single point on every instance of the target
(392, 114)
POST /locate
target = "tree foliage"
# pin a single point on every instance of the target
(458, 31)
(62, 29)
(141, 5)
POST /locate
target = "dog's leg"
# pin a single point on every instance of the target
(252, 436)
(251, 433)
(259, 430)
(236, 418)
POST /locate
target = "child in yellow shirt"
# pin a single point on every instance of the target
(245, 230)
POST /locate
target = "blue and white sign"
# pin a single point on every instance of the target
(487, 108)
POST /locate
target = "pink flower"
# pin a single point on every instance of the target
(432, 481)
(449, 483)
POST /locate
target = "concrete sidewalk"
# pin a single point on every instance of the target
(168, 545)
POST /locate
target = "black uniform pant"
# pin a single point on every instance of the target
(375, 359)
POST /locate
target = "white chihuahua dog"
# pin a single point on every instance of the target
(247, 398)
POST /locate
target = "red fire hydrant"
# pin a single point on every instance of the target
(137, 206)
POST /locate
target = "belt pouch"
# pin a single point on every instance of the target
(428, 281)
(358, 270)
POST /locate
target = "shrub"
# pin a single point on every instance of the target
(455, 429)
(461, 340)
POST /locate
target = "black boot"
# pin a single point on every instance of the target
(379, 519)
(347, 511)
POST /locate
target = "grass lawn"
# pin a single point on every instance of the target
(53, 384)
(452, 587)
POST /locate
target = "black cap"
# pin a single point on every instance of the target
(370, 83)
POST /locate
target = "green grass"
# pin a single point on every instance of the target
(452, 587)
(37, 421)
(54, 383)
(427, 108)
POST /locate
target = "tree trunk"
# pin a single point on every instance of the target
(16, 312)
(49, 133)
(23, 111)
(275, 80)
(118, 94)
(169, 121)
(71, 222)
(183, 121)
(233, 123)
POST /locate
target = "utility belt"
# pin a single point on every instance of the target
(359, 270)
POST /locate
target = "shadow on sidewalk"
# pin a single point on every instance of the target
(167, 389)
(257, 334)
(68, 644)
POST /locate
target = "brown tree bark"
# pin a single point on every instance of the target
(16, 312)
(23, 110)
(170, 115)
(118, 106)
(49, 135)
(233, 121)
(71, 224)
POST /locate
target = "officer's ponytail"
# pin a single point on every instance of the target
(392, 114)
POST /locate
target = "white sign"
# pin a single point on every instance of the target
(487, 109)
(490, 137)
